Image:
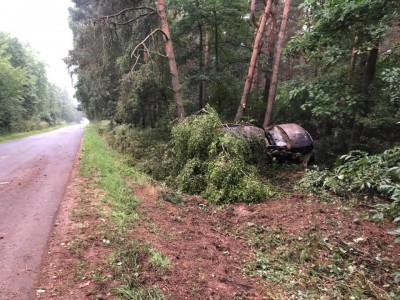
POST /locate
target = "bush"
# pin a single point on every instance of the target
(144, 146)
(361, 174)
(203, 159)
(197, 157)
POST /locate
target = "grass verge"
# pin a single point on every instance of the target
(108, 172)
(19, 135)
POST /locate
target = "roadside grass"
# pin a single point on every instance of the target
(110, 173)
(19, 135)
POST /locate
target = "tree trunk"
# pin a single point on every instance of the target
(169, 50)
(203, 62)
(253, 13)
(216, 42)
(275, 71)
(270, 52)
(371, 64)
(370, 69)
(253, 61)
(353, 61)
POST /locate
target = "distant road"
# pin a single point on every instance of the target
(34, 173)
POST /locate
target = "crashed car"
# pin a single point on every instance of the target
(284, 141)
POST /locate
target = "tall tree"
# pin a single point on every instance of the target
(275, 70)
(169, 49)
(254, 57)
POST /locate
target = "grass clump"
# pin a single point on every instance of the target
(158, 260)
(127, 262)
(204, 159)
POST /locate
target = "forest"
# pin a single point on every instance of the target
(337, 74)
(28, 101)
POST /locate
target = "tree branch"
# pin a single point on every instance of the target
(126, 10)
(253, 13)
(134, 19)
(142, 43)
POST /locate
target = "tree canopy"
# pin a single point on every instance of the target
(27, 99)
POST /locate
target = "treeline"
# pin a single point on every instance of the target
(147, 62)
(28, 101)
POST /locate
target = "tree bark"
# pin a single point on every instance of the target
(371, 64)
(203, 63)
(275, 71)
(253, 61)
(216, 42)
(370, 70)
(270, 52)
(253, 13)
(353, 61)
(169, 50)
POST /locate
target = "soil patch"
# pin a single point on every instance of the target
(76, 251)
(209, 252)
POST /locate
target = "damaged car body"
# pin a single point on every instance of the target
(284, 142)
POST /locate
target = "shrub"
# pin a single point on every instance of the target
(203, 159)
(361, 174)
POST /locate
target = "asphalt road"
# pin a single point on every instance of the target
(34, 174)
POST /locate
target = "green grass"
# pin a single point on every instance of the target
(158, 260)
(19, 135)
(112, 174)
(108, 168)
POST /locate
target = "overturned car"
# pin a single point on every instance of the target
(284, 141)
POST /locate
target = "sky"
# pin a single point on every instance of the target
(43, 24)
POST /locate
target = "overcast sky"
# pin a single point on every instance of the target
(44, 25)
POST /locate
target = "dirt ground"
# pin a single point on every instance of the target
(207, 257)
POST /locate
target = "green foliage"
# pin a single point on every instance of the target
(27, 101)
(327, 24)
(362, 174)
(144, 146)
(346, 106)
(12, 82)
(171, 196)
(391, 77)
(216, 164)
(359, 172)
(201, 159)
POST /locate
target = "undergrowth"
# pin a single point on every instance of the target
(363, 175)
